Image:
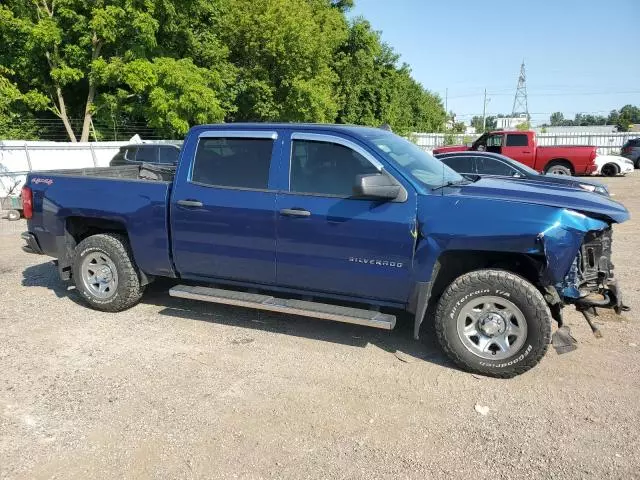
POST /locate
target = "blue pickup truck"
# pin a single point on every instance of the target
(342, 223)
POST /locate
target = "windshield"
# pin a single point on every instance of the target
(412, 159)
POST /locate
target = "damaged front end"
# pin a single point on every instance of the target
(590, 281)
(581, 246)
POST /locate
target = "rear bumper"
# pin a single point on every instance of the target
(32, 245)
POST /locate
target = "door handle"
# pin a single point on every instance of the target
(295, 212)
(189, 203)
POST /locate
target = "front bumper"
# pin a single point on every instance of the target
(32, 245)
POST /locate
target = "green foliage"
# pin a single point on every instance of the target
(622, 118)
(374, 90)
(627, 116)
(16, 121)
(524, 126)
(175, 63)
(557, 118)
(490, 124)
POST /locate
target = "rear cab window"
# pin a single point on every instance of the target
(147, 154)
(169, 155)
(495, 140)
(130, 154)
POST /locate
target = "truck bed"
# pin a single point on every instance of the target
(164, 173)
(132, 199)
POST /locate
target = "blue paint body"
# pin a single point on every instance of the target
(239, 237)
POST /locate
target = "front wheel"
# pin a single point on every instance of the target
(493, 322)
(610, 170)
(105, 273)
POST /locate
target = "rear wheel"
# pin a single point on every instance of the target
(559, 168)
(105, 273)
(610, 170)
(13, 215)
(493, 322)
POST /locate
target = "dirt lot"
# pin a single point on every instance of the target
(173, 389)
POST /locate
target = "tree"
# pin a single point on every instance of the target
(58, 44)
(628, 115)
(477, 122)
(613, 117)
(283, 51)
(556, 119)
(15, 119)
(169, 64)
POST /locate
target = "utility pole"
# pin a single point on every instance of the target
(484, 112)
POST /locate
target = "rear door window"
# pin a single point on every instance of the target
(233, 162)
(517, 140)
(491, 166)
(461, 164)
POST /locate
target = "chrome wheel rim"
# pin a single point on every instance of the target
(492, 327)
(558, 171)
(99, 275)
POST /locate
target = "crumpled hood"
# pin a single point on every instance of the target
(545, 194)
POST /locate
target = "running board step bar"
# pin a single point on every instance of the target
(369, 318)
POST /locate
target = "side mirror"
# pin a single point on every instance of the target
(376, 185)
(517, 175)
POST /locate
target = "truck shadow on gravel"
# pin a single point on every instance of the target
(398, 342)
(46, 275)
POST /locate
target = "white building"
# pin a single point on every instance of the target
(509, 123)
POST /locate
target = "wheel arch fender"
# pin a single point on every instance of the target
(560, 161)
(77, 228)
(451, 264)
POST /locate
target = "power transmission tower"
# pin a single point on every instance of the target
(520, 105)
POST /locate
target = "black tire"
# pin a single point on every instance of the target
(559, 167)
(127, 290)
(637, 165)
(609, 170)
(13, 215)
(498, 284)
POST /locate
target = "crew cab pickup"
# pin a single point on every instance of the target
(343, 223)
(523, 147)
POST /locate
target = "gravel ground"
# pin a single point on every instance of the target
(178, 389)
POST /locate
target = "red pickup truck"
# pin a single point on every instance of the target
(523, 147)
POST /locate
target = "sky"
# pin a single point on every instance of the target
(580, 56)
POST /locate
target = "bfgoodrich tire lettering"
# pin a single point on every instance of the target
(127, 291)
(503, 287)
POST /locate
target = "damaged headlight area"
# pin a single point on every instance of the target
(590, 281)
